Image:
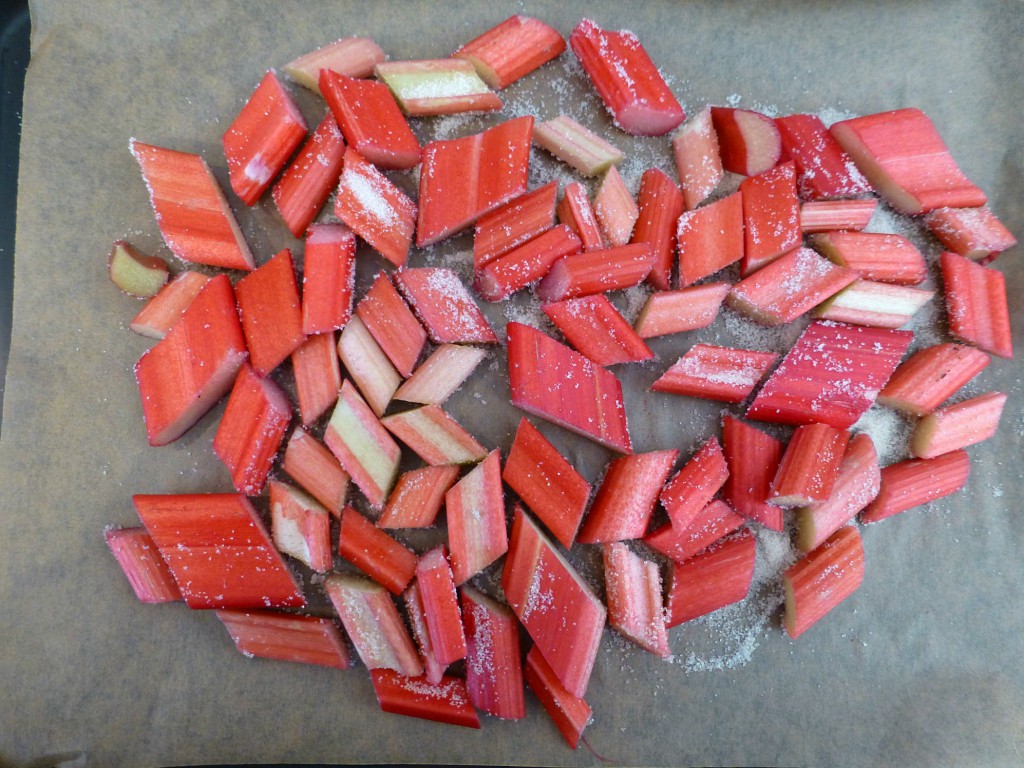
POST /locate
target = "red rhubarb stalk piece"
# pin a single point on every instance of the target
(576, 145)
(301, 526)
(976, 305)
(753, 459)
(575, 210)
(635, 606)
(417, 497)
(831, 375)
(810, 466)
(434, 436)
(686, 309)
(349, 56)
(441, 606)
(140, 560)
(693, 486)
(914, 482)
(165, 309)
(286, 637)
(717, 577)
(218, 550)
(608, 269)
(569, 712)
(549, 380)
(660, 204)
(512, 49)
(555, 605)
(443, 304)
(716, 373)
(475, 509)
(748, 141)
(494, 675)
(626, 79)
(831, 215)
(194, 365)
(134, 272)
(370, 120)
(625, 501)
(437, 87)
(444, 702)
(594, 326)
(975, 233)
(251, 430)
(193, 215)
(824, 170)
(931, 376)
(546, 482)
(311, 464)
(771, 216)
(441, 374)
(615, 209)
(710, 238)
(526, 264)
(268, 302)
(367, 365)
(957, 426)
(374, 552)
(328, 278)
(866, 302)
(516, 222)
(433, 669)
(317, 376)
(879, 256)
(390, 321)
(714, 522)
(698, 160)
(822, 579)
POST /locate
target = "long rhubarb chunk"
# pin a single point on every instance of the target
(569, 712)
(831, 215)
(594, 326)
(446, 702)
(660, 204)
(494, 675)
(686, 309)
(917, 481)
(287, 637)
(976, 304)
(635, 606)
(716, 373)
(957, 426)
(475, 508)
(434, 436)
(137, 554)
(437, 87)
(441, 606)
(608, 269)
(821, 580)
(444, 306)
(717, 577)
(931, 376)
(512, 49)
(526, 264)
(268, 302)
(866, 302)
(350, 56)
(328, 278)
(374, 552)
(753, 459)
(975, 233)
(886, 258)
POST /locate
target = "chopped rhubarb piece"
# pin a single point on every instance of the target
(415, 696)
(866, 302)
(526, 264)
(748, 141)
(374, 552)
(435, 436)
(831, 375)
(714, 522)
(475, 508)
(349, 56)
(328, 280)
(576, 146)
(513, 224)
(494, 675)
(417, 497)
(556, 383)
(512, 49)
(437, 377)
(546, 482)
(251, 430)
(143, 566)
(268, 302)
(931, 376)
(716, 373)
(301, 526)
(218, 550)
(810, 466)
(314, 467)
(365, 449)
(594, 326)
(957, 426)
(261, 138)
(712, 579)
(553, 602)
(788, 287)
(972, 232)
(466, 178)
(660, 204)
(823, 168)
(902, 155)
(608, 269)
(433, 669)
(317, 376)
(878, 256)
(698, 160)
(710, 238)
(165, 309)
(635, 606)
(687, 309)
(692, 488)
(194, 217)
(375, 209)
(976, 306)
(371, 620)
(441, 606)
(625, 501)
(135, 273)
(569, 712)
(771, 216)
(914, 482)
(856, 486)
(576, 211)
(753, 459)
(822, 579)
(194, 365)
(437, 87)
(370, 120)
(831, 215)
(286, 637)
(626, 79)
(443, 304)
(615, 208)
(369, 367)
(390, 321)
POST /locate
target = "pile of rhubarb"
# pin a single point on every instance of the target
(336, 437)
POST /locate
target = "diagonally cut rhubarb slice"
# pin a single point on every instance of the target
(434, 436)
(635, 606)
(375, 553)
(350, 56)
(576, 145)
(417, 618)
(569, 712)
(441, 606)
(608, 269)
(576, 211)
(717, 577)
(516, 222)
(882, 305)
(444, 306)
(698, 160)
(810, 465)
(165, 309)
(692, 488)
(286, 637)
(311, 464)
(660, 204)
(137, 554)
(824, 170)
(976, 304)
(594, 326)
(975, 233)
(512, 49)
(953, 427)
(931, 376)
(328, 278)
(526, 264)
(441, 374)
(771, 216)
(710, 238)
(494, 673)
(716, 373)
(753, 459)
(615, 208)
(686, 309)
(917, 481)
(417, 497)
(748, 141)
(367, 365)
(714, 522)
(317, 376)
(415, 696)
(390, 321)
(475, 508)
(822, 579)
(437, 87)
(887, 258)
(301, 526)
(271, 312)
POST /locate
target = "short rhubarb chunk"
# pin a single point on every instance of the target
(317, 376)
(513, 224)
(349, 56)
(635, 607)
(931, 376)
(615, 208)
(415, 696)
(710, 238)
(835, 215)
(434, 436)
(694, 486)
(433, 669)
(390, 321)
(810, 465)
(576, 146)
(441, 606)
(822, 579)
(301, 526)
(135, 273)
(375, 553)
(976, 304)
(686, 309)
(165, 309)
(749, 141)
(866, 302)
(475, 509)
(268, 302)
(576, 211)
(494, 675)
(140, 560)
(441, 374)
(953, 427)
(660, 204)
(753, 459)
(824, 170)
(525, 265)
(417, 497)
(369, 368)
(437, 87)
(443, 304)
(595, 327)
(328, 278)
(771, 216)
(569, 712)
(512, 49)
(286, 637)
(698, 160)
(885, 258)
(717, 577)
(716, 373)
(711, 524)
(608, 269)
(975, 233)
(914, 482)
(311, 464)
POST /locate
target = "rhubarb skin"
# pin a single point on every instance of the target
(953, 427)
(525, 265)
(328, 278)
(390, 321)
(369, 367)
(818, 582)
(576, 211)
(286, 637)
(615, 209)
(301, 526)
(584, 274)
(441, 374)
(349, 56)
(901, 153)
(810, 465)
(271, 312)
(375, 553)
(434, 436)
(917, 481)
(710, 238)
(161, 312)
(698, 159)
(976, 304)
(594, 326)
(512, 49)
(635, 606)
(494, 675)
(833, 215)
(311, 464)
(516, 222)
(261, 138)
(885, 258)
(975, 233)
(444, 306)
(417, 497)
(194, 365)
(414, 696)
(717, 577)
(475, 509)
(748, 141)
(140, 560)
(693, 486)
(135, 273)
(771, 216)
(626, 79)
(437, 87)
(660, 204)
(931, 376)
(686, 309)
(569, 712)
(716, 373)
(753, 459)
(441, 606)
(576, 146)
(824, 170)
(317, 376)
(711, 524)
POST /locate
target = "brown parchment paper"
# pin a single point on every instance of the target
(921, 667)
